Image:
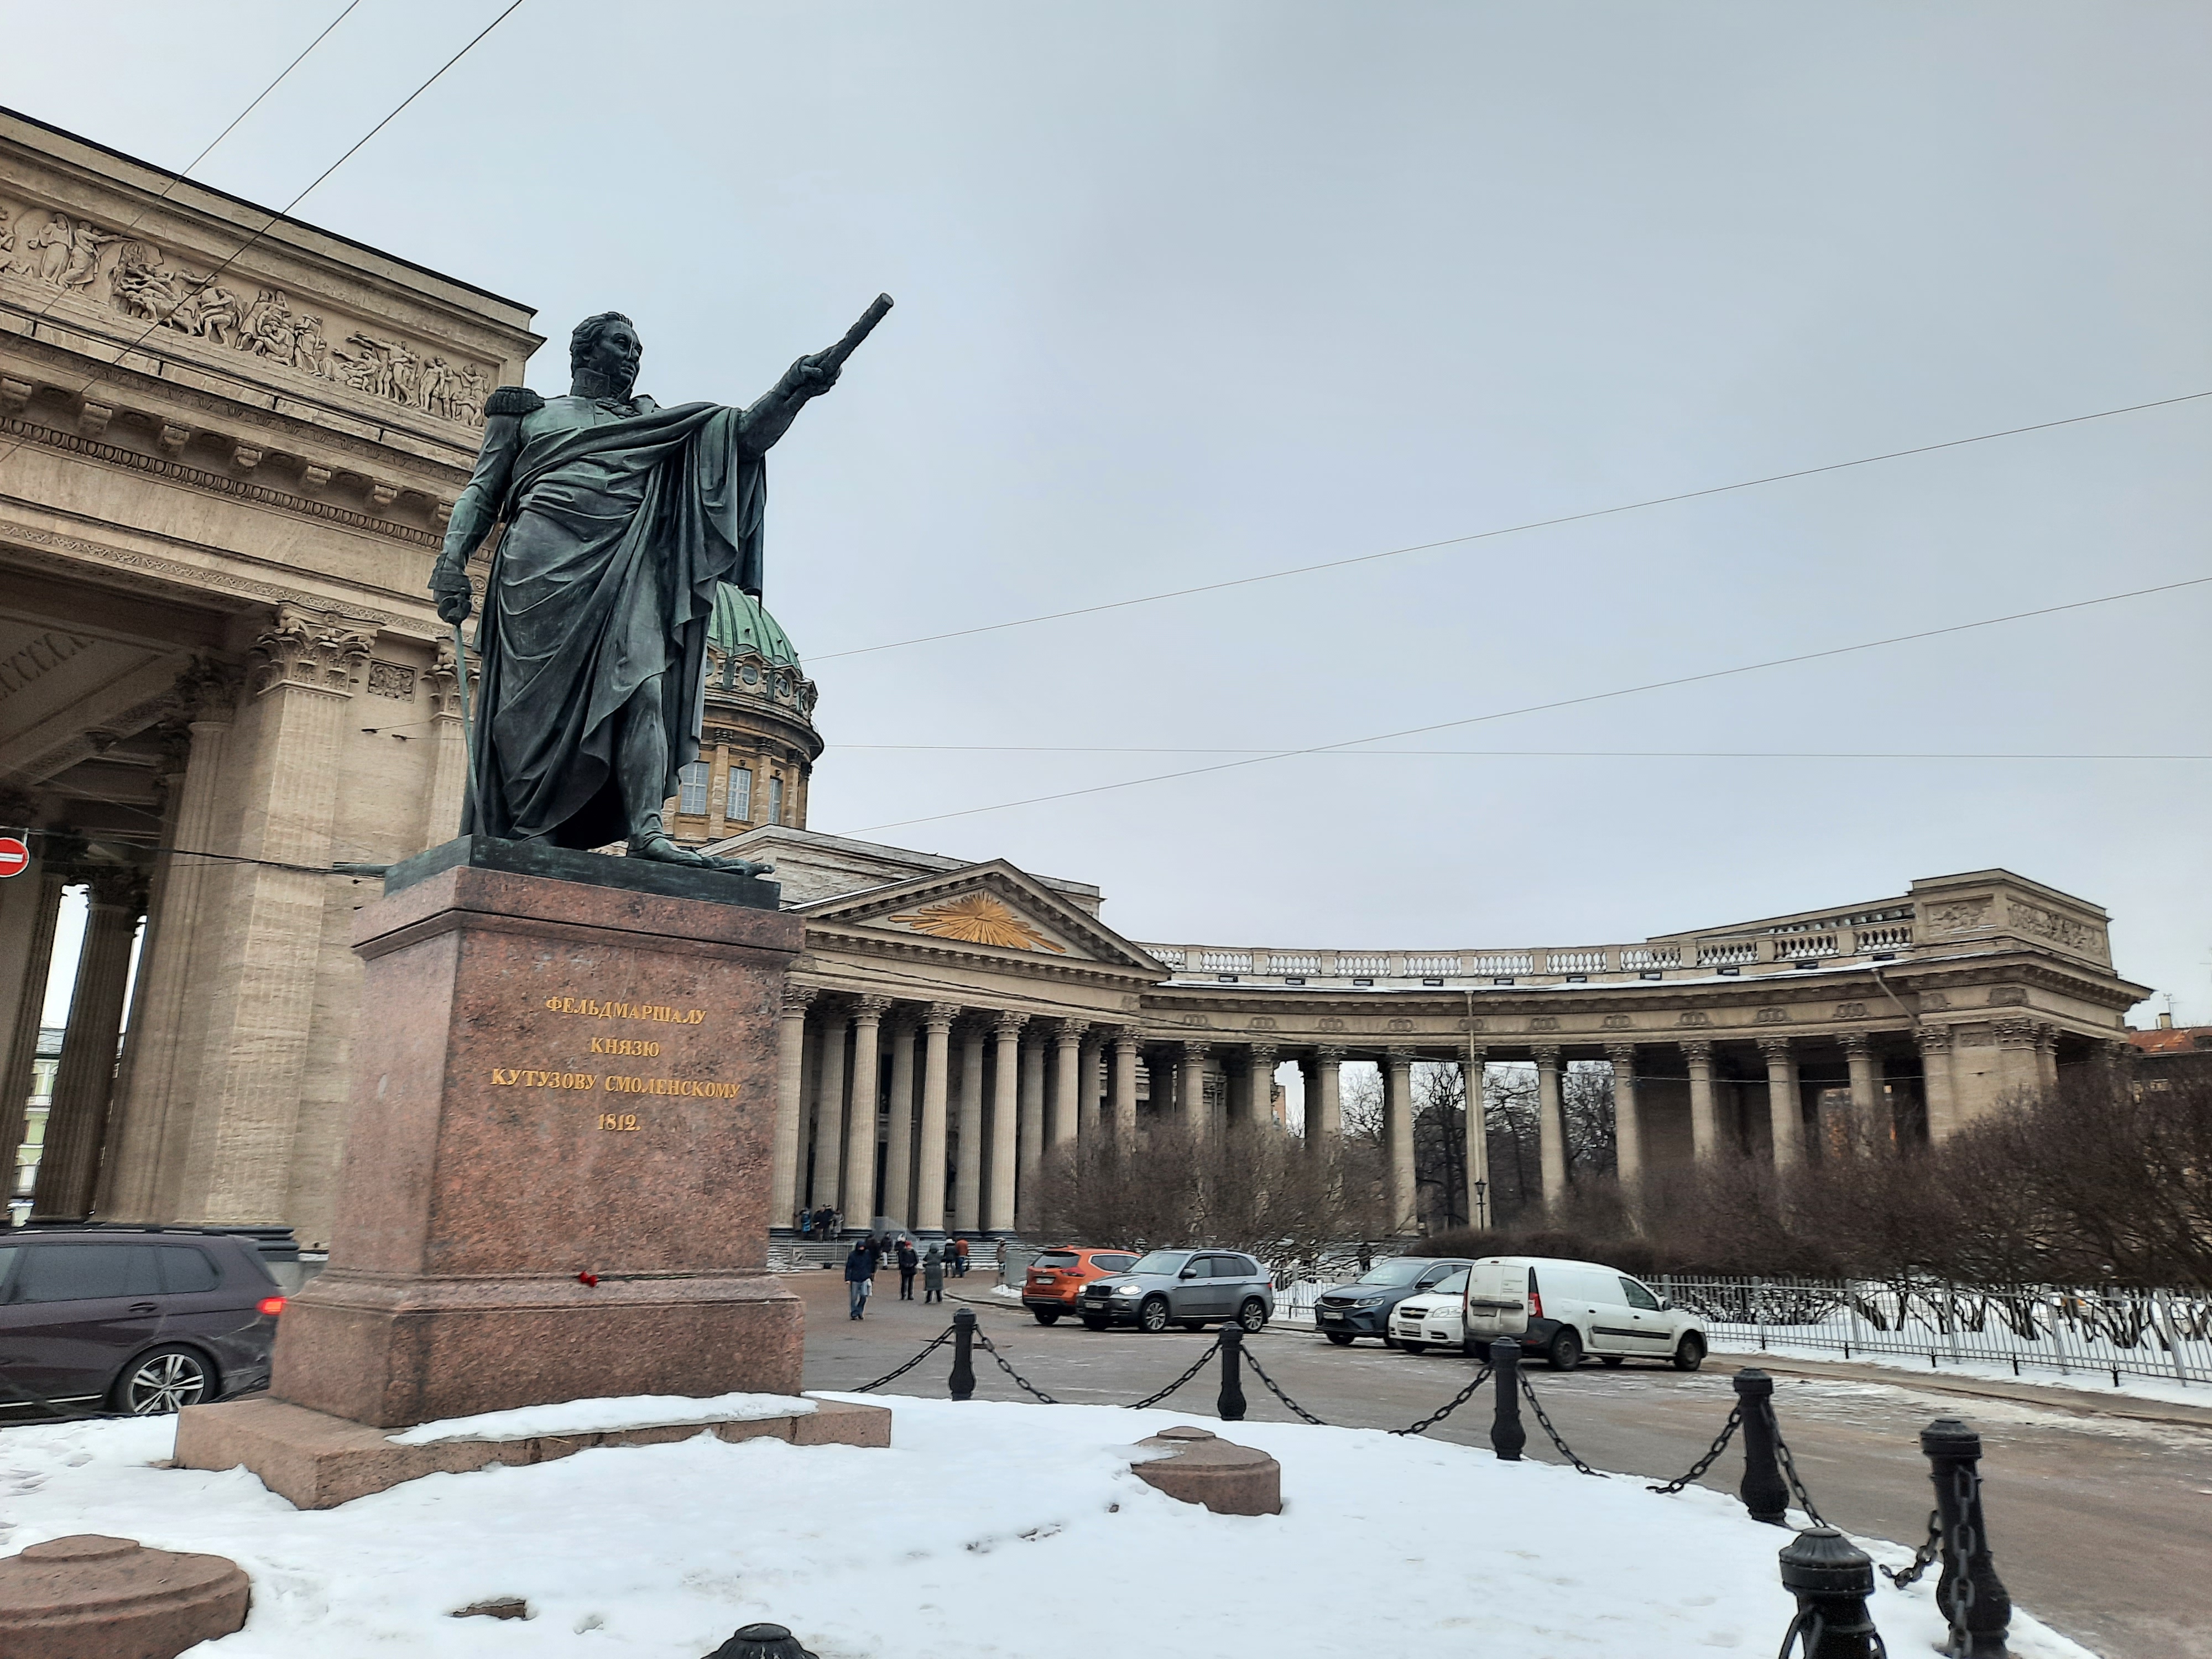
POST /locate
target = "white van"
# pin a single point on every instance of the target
(1564, 1309)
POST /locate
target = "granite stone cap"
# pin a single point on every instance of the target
(532, 858)
(95, 1597)
(1204, 1469)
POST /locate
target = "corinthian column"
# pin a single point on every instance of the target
(967, 1177)
(260, 988)
(929, 1162)
(1124, 1111)
(1190, 1087)
(77, 1121)
(1627, 1126)
(898, 1157)
(830, 1110)
(31, 906)
(1704, 1116)
(1550, 1127)
(1936, 1083)
(1474, 1078)
(861, 1116)
(1869, 1127)
(1398, 1136)
(1325, 1100)
(1005, 1100)
(790, 1108)
(1067, 1083)
(1029, 1150)
(1784, 1111)
(1260, 1080)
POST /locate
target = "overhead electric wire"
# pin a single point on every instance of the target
(1541, 707)
(284, 212)
(1508, 754)
(1504, 530)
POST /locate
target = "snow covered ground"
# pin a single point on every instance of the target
(986, 1531)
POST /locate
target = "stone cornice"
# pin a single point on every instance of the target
(192, 478)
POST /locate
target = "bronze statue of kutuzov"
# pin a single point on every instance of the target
(620, 519)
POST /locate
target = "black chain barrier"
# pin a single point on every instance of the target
(1423, 1424)
(1972, 1596)
(1931, 1551)
(1712, 1454)
(1196, 1366)
(1276, 1388)
(1789, 1473)
(1565, 1451)
(1020, 1382)
(942, 1338)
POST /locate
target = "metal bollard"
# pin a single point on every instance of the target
(761, 1642)
(1831, 1577)
(1507, 1437)
(1971, 1595)
(964, 1354)
(1764, 1492)
(1231, 1407)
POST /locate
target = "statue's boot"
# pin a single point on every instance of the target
(651, 840)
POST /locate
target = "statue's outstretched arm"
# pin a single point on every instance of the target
(478, 509)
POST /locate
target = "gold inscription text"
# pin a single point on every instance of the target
(671, 1085)
(619, 1121)
(514, 1078)
(624, 1046)
(595, 1009)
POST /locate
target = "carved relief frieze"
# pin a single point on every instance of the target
(1332, 1023)
(1772, 1017)
(1932, 1000)
(1260, 1022)
(1616, 1023)
(1957, 915)
(2007, 996)
(392, 679)
(1851, 1010)
(2039, 921)
(1544, 1023)
(70, 255)
(1695, 1016)
(1400, 1025)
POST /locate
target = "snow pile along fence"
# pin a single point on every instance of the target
(2161, 1335)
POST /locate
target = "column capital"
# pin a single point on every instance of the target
(870, 1010)
(796, 998)
(1859, 1045)
(1263, 1053)
(2046, 1039)
(1547, 1057)
(1072, 1030)
(1478, 1053)
(1778, 1050)
(316, 649)
(116, 888)
(1008, 1025)
(1698, 1051)
(1196, 1048)
(1621, 1054)
(1399, 1055)
(1121, 1036)
(1329, 1054)
(1935, 1039)
(939, 1016)
(2016, 1033)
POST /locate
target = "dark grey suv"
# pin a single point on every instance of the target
(1190, 1288)
(140, 1320)
(1344, 1312)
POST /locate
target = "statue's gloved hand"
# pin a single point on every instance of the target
(455, 599)
(809, 377)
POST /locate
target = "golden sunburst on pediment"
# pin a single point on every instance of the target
(978, 919)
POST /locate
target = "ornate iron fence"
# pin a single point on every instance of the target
(2165, 1335)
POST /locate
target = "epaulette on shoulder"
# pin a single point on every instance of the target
(513, 400)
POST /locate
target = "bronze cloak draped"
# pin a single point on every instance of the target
(617, 536)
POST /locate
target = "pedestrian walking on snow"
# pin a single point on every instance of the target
(860, 1277)
(932, 1274)
(908, 1261)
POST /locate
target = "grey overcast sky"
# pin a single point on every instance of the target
(1191, 292)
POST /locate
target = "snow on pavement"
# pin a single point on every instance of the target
(986, 1531)
(634, 1411)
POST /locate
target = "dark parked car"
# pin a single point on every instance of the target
(1363, 1307)
(143, 1320)
(1190, 1288)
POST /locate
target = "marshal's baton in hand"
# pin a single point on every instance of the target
(835, 357)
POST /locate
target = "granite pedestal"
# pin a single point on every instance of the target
(555, 1178)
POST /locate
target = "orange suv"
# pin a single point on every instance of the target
(1058, 1276)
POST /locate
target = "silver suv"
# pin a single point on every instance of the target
(1190, 1288)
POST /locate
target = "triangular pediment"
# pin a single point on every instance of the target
(991, 906)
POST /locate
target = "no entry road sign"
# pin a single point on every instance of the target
(14, 853)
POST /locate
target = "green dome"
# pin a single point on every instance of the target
(739, 625)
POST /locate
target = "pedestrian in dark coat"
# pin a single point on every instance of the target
(932, 1274)
(908, 1261)
(860, 1278)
